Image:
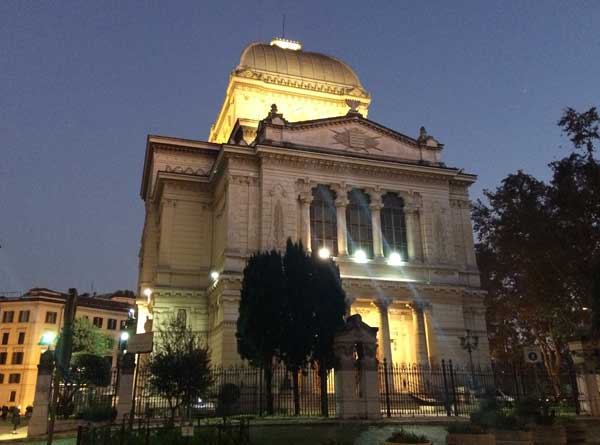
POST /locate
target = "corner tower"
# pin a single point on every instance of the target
(304, 85)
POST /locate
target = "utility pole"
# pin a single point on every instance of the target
(62, 357)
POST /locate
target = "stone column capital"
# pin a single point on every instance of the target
(419, 305)
(305, 197)
(341, 201)
(375, 206)
(411, 209)
(383, 303)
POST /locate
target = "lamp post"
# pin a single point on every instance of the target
(469, 343)
(47, 339)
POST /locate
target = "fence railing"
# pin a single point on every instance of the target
(247, 384)
(450, 390)
(82, 400)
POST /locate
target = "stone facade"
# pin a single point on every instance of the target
(209, 206)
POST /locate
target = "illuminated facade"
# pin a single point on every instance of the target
(312, 168)
(39, 313)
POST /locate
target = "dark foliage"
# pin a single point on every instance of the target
(539, 251)
(180, 367)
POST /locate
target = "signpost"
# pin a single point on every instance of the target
(140, 343)
(62, 357)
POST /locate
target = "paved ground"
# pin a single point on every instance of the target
(6, 429)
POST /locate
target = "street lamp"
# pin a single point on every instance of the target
(469, 343)
(47, 339)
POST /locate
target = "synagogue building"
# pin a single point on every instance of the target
(292, 154)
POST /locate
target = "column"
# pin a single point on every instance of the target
(422, 354)
(305, 201)
(376, 207)
(38, 424)
(385, 344)
(340, 205)
(126, 386)
(413, 235)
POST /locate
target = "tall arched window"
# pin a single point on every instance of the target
(358, 221)
(393, 226)
(323, 220)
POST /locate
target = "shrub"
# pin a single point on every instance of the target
(228, 396)
(534, 410)
(98, 413)
(407, 437)
(491, 415)
(465, 428)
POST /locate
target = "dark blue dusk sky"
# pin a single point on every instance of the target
(83, 83)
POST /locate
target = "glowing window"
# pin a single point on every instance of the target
(323, 220)
(393, 226)
(358, 221)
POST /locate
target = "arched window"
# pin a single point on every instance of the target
(393, 226)
(323, 221)
(358, 221)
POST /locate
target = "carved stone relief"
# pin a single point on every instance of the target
(356, 139)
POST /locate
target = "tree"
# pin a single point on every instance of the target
(539, 249)
(259, 324)
(92, 369)
(290, 310)
(298, 313)
(90, 339)
(329, 300)
(180, 367)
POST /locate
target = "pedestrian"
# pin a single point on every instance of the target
(16, 419)
(4, 412)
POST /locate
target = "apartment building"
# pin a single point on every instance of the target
(25, 319)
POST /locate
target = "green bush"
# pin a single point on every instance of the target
(407, 437)
(98, 413)
(465, 428)
(534, 410)
(491, 415)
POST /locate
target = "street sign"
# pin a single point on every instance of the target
(140, 343)
(187, 431)
(532, 355)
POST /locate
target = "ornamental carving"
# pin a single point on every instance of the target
(356, 139)
(302, 83)
(185, 170)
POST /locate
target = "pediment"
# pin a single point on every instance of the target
(349, 135)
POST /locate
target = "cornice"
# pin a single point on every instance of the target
(344, 164)
(300, 83)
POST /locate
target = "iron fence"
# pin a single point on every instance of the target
(82, 400)
(246, 395)
(450, 390)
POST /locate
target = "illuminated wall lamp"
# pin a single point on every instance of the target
(324, 253)
(394, 259)
(360, 256)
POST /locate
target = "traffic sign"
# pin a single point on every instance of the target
(532, 355)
